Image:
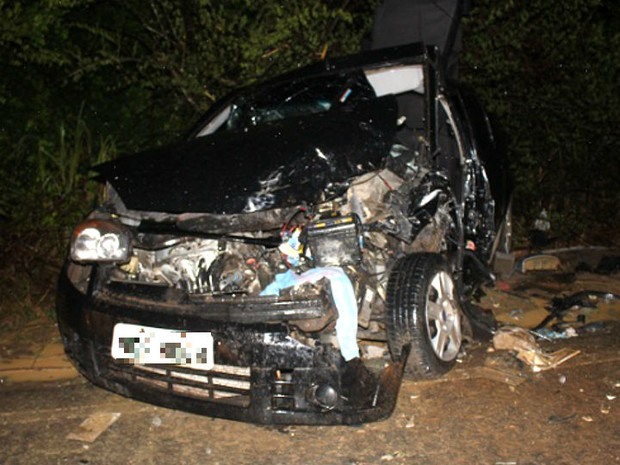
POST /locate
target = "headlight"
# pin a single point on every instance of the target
(100, 241)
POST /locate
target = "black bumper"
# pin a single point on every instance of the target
(261, 374)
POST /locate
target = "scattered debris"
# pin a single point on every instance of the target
(560, 306)
(520, 340)
(587, 418)
(557, 419)
(93, 426)
(550, 334)
(516, 314)
(540, 262)
(610, 397)
(502, 368)
(411, 422)
(562, 379)
(156, 421)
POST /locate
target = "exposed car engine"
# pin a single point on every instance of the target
(379, 219)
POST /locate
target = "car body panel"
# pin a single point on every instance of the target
(293, 161)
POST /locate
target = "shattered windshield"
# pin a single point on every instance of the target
(304, 97)
(290, 99)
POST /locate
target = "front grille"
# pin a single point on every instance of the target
(223, 384)
(283, 390)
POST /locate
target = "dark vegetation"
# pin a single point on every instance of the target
(83, 81)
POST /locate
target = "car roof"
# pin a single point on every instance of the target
(415, 53)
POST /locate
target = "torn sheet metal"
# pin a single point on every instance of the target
(365, 196)
(344, 299)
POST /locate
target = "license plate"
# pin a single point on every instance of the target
(144, 344)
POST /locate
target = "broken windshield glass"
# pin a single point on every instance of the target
(299, 98)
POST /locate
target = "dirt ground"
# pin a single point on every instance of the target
(569, 415)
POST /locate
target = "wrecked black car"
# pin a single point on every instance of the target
(313, 239)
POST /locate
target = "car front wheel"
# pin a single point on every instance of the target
(423, 308)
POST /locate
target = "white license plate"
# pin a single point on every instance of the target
(144, 344)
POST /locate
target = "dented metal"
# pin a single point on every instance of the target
(274, 227)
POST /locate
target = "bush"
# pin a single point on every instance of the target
(549, 71)
(45, 193)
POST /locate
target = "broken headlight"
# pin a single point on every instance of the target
(100, 241)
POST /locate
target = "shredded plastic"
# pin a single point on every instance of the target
(344, 299)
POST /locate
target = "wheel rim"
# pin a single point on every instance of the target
(443, 320)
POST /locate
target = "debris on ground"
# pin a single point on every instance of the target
(557, 419)
(550, 334)
(540, 262)
(516, 314)
(91, 428)
(581, 300)
(522, 342)
(501, 367)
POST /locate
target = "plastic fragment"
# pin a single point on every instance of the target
(344, 300)
(91, 428)
(520, 340)
(516, 314)
(550, 334)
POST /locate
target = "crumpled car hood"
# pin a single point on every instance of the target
(281, 164)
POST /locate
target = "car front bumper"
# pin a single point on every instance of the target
(261, 374)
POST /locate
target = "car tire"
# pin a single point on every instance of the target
(424, 311)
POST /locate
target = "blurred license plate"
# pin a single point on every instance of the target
(144, 344)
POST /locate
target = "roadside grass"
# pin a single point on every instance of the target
(47, 191)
